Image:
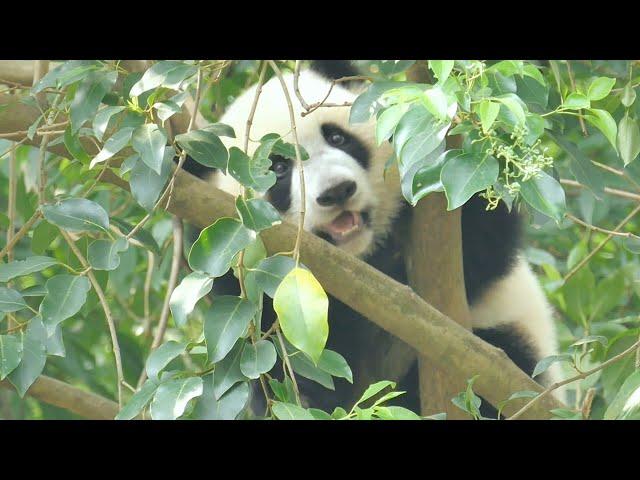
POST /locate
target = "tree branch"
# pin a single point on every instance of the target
(385, 302)
(61, 394)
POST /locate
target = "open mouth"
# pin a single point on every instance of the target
(344, 227)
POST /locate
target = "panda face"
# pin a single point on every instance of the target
(349, 200)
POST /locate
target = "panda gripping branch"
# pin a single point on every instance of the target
(352, 203)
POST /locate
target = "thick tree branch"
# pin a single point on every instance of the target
(392, 306)
(86, 404)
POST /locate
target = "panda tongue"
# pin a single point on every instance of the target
(343, 223)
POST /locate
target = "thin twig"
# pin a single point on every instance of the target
(13, 147)
(287, 363)
(21, 233)
(303, 195)
(611, 191)
(171, 285)
(588, 401)
(583, 127)
(602, 230)
(105, 307)
(586, 259)
(11, 214)
(620, 173)
(580, 376)
(151, 260)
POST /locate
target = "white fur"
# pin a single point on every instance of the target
(515, 300)
(327, 166)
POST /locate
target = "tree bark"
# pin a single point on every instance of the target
(387, 303)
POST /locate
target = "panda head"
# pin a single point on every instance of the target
(350, 199)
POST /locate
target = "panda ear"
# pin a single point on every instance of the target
(335, 69)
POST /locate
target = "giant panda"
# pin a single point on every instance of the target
(354, 204)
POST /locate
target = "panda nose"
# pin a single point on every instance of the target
(338, 194)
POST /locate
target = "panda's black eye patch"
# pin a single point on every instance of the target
(280, 165)
(338, 138)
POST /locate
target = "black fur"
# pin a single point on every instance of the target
(334, 69)
(490, 241)
(352, 145)
(280, 194)
(195, 168)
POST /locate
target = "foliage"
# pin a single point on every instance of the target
(531, 129)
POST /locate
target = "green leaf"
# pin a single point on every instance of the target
(217, 244)
(220, 129)
(113, 145)
(609, 293)
(289, 411)
(546, 195)
(77, 215)
(532, 89)
(34, 357)
(546, 362)
(512, 102)
(166, 73)
(101, 120)
(424, 177)
(576, 101)
(387, 121)
(65, 296)
(441, 68)
(436, 102)
(162, 356)
(368, 102)
(585, 172)
(18, 268)
(224, 323)
(319, 414)
(304, 367)
(227, 372)
(146, 184)
(43, 236)
(628, 95)
(227, 407)
(54, 344)
(600, 88)
(185, 296)
(604, 122)
(171, 397)
(11, 300)
(258, 358)
(138, 401)
(10, 354)
(395, 413)
(335, 364)
(104, 254)
(205, 148)
(149, 141)
(488, 112)
(74, 146)
(248, 173)
(88, 96)
(424, 137)
(142, 235)
(257, 214)
(375, 389)
(66, 74)
(302, 307)
(626, 404)
(270, 272)
(628, 140)
(591, 339)
(166, 109)
(465, 174)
